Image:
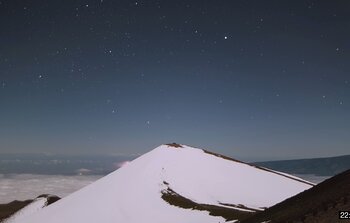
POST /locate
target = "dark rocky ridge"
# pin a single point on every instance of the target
(319, 204)
(6, 210)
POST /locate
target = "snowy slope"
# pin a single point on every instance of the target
(134, 192)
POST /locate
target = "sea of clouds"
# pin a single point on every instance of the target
(29, 186)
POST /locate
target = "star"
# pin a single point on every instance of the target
(225, 37)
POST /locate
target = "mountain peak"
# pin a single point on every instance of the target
(182, 184)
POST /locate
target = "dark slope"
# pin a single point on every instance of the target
(329, 166)
(319, 204)
(6, 210)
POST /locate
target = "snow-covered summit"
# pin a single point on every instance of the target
(174, 183)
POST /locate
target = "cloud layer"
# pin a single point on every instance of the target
(29, 186)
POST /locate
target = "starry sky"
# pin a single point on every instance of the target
(251, 79)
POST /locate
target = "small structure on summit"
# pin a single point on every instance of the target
(176, 145)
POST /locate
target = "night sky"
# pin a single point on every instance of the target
(252, 79)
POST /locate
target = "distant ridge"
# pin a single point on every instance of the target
(328, 166)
